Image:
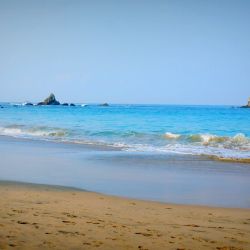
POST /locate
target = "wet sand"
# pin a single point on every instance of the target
(181, 179)
(51, 217)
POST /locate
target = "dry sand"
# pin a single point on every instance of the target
(45, 217)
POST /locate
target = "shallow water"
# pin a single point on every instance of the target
(183, 179)
(221, 131)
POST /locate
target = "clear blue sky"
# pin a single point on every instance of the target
(130, 51)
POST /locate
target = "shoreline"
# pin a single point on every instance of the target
(38, 186)
(51, 187)
(34, 216)
(178, 180)
(107, 147)
(58, 142)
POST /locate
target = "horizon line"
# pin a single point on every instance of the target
(124, 103)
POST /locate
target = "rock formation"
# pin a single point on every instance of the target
(104, 104)
(248, 104)
(51, 100)
(28, 104)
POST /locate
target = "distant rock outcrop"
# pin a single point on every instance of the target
(248, 104)
(51, 100)
(72, 105)
(104, 104)
(65, 104)
(28, 104)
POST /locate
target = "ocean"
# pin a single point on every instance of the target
(222, 132)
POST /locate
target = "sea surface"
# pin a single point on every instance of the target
(221, 132)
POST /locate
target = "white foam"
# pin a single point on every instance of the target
(20, 131)
(235, 147)
(207, 137)
(10, 131)
(192, 150)
(170, 135)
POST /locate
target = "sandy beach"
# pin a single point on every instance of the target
(47, 217)
(124, 125)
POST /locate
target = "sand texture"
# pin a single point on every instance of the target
(45, 217)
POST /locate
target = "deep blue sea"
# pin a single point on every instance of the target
(220, 131)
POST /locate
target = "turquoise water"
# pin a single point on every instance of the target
(220, 131)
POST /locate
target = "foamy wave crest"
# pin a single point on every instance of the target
(219, 147)
(24, 131)
(238, 141)
(211, 152)
(170, 135)
(235, 147)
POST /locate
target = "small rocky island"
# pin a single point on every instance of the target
(51, 100)
(104, 104)
(248, 104)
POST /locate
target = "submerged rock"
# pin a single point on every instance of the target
(51, 100)
(104, 104)
(28, 104)
(248, 104)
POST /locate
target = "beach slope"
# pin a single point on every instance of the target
(47, 217)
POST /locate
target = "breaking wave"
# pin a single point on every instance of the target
(236, 147)
(39, 131)
(170, 135)
(238, 141)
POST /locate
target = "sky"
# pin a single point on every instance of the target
(130, 51)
